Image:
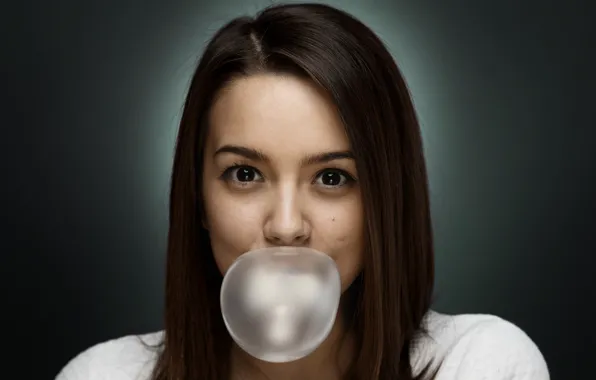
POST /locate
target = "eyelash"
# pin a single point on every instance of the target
(227, 173)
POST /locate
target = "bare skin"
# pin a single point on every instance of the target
(278, 172)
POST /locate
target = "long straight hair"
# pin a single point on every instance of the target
(393, 293)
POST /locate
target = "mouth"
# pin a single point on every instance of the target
(281, 250)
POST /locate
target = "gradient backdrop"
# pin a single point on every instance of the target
(93, 90)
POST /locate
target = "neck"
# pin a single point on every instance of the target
(329, 361)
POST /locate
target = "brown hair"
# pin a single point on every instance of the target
(393, 293)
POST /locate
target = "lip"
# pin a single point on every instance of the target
(282, 250)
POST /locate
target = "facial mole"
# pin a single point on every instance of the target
(333, 219)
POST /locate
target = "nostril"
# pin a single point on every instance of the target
(296, 240)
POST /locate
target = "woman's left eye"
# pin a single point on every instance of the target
(333, 178)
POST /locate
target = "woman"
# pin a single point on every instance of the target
(298, 130)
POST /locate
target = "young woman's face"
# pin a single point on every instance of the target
(278, 171)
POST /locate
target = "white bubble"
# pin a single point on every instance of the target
(279, 304)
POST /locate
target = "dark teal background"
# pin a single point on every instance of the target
(92, 92)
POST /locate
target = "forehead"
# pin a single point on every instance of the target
(275, 112)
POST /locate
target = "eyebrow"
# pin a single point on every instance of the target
(257, 155)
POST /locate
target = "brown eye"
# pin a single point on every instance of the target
(333, 178)
(245, 174)
(242, 174)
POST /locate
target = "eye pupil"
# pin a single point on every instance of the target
(245, 175)
(331, 179)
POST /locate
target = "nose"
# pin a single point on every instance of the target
(286, 225)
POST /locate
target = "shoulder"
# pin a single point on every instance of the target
(127, 358)
(480, 346)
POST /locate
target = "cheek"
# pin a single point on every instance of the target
(350, 258)
(233, 226)
(341, 233)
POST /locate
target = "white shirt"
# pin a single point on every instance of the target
(472, 346)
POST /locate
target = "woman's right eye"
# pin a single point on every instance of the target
(242, 174)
